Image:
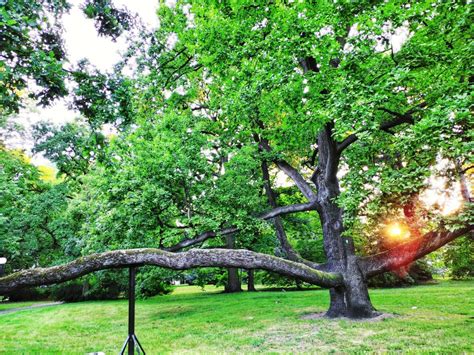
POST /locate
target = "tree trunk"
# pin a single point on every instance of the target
(85, 289)
(337, 305)
(352, 299)
(356, 291)
(251, 280)
(233, 279)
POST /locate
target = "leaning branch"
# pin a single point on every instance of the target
(290, 253)
(300, 182)
(200, 239)
(297, 207)
(406, 253)
(178, 261)
(279, 211)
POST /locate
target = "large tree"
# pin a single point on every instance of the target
(354, 101)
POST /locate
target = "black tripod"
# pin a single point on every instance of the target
(132, 340)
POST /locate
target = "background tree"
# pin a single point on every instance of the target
(32, 221)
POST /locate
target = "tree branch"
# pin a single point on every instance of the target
(300, 182)
(178, 261)
(290, 253)
(399, 119)
(292, 173)
(465, 170)
(299, 207)
(327, 144)
(406, 253)
(200, 239)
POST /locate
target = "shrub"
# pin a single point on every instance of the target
(29, 294)
(71, 291)
(459, 258)
(419, 272)
(152, 281)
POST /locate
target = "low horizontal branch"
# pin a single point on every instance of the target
(177, 261)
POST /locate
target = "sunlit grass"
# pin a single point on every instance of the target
(435, 318)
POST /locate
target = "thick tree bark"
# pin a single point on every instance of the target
(233, 280)
(357, 297)
(352, 299)
(331, 221)
(337, 303)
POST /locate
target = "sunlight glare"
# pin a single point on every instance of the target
(396, 231)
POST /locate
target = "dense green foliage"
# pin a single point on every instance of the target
(32, 48)
(459, 258)
(32, 224)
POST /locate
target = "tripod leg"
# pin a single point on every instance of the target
(139, 346)
(124, 346)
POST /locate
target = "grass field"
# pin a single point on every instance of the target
(433, 318)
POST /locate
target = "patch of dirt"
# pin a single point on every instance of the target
(322, 315)
(314, 315)
(42, 305)
(300, 338)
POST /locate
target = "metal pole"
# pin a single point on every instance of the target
(132, 342)
(131, 311)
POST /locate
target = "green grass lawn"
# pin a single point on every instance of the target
(432, 318)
